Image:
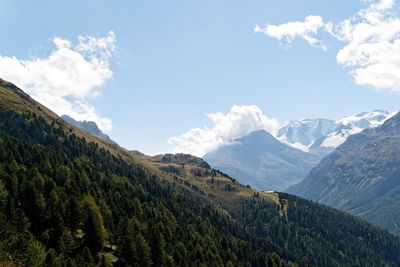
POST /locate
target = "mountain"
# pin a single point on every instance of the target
(70, 199)
(260, 160)
(361, 176)
(322, 136)
(87, 126)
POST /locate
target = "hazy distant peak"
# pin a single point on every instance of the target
(262, 161)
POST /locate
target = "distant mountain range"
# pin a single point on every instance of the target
(361, 176)
(277, 161)
(87, 126)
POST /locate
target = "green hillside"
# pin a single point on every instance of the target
(315, 234)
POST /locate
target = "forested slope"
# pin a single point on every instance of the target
(312, 233)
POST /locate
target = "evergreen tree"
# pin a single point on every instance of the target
(3, 196)
(73, 213)
(104, 261)
(67, 243)
(87, 255)
(95, 232)
(50, 258)
(157, 244)
(20, 221)
(142, 251)
(35, 254)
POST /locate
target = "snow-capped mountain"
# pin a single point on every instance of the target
(355, 124)
(303, 133)
(322, 136)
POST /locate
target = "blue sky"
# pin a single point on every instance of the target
(176, 61)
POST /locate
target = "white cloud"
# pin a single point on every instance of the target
(372, 44)
(240, 121)
(372, 52)
(287, 32)
(65, 80)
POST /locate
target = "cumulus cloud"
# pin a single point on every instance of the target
(240, 121)
(287, 32)
(372, 44)
(66, 78)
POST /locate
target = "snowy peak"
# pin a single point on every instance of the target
(354, 124)
(303, 133)
(365, 120)
(321, 136)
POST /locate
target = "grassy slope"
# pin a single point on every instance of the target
(214, 184)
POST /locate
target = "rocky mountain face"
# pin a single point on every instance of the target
(361, 176)
(87, 126)
(262, 161)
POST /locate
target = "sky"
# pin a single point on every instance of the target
(186, 76)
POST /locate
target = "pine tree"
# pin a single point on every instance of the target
(142, 252)
(73, 213)
(50, 258)
(86, 255)
(157, 244)
(35, 254)
(3, 196)
(66, 243)
(20, 221)
(95, 232)
(104, 261)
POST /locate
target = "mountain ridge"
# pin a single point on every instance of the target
(87, 126)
